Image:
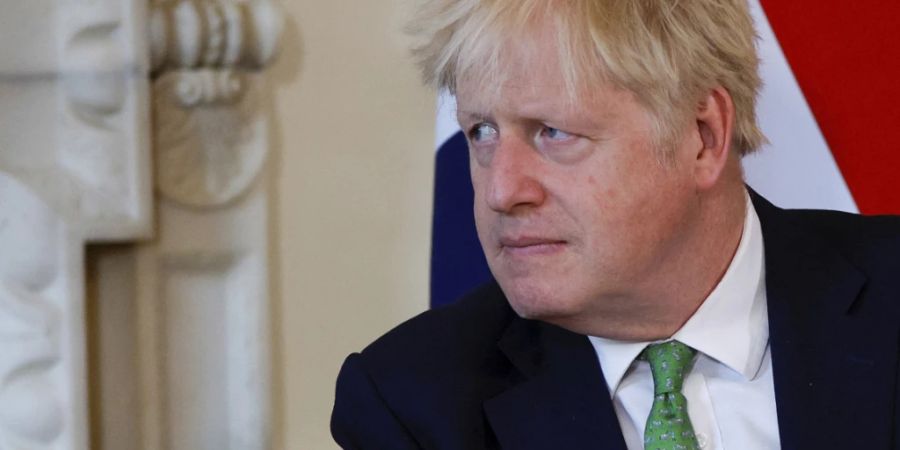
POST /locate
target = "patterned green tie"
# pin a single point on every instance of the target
(668, 427)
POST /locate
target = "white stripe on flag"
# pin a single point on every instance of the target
(797, 169)
(446, 125)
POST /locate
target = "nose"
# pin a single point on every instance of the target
(513, 178)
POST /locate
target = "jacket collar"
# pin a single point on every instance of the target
(561, 400)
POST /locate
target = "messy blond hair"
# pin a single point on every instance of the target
(668, 53)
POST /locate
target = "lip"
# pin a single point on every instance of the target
(528, 245)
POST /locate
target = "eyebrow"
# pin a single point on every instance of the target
(471, 115)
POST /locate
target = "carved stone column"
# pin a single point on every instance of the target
(203, 300)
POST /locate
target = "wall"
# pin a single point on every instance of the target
(354, 154)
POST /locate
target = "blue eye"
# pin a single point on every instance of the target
(555, 134)
(483, 132)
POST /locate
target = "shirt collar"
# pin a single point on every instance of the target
(731, 325)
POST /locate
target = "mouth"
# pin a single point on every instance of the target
(528, 246)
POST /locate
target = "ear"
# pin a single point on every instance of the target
(715, 124)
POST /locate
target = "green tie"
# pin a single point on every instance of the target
(669, 427)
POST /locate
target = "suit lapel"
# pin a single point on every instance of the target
(560, 401)
(832, 367)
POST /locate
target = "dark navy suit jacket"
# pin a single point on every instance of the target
(476, 376)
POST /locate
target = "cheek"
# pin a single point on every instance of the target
(483, 214)
(623, 179)
(602, 194)
(627, 210)
(612, 198)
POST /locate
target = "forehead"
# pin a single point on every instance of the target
(529, 78)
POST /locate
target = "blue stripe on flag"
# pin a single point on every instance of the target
(457, 262)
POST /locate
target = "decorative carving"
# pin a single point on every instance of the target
(214, 33)
(207, 87)
(30, 403)
(98, 176)
(209, 154)
(93, 64)
(210, 134)
(75, 122)
(31, 414)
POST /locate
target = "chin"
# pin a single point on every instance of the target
(543, 303)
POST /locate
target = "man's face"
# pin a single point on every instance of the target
(574, 209)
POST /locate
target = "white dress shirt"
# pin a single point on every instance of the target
(730, 393)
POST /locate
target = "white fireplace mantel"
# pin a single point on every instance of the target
(136, 122)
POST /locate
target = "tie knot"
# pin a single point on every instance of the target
(669, 361)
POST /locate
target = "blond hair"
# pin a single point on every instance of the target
(668, 53)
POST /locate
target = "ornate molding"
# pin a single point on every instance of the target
(39, 349)
(206, 87)
(211, 136)
(101, 181)
(77, 118)
(75, 168)
(214, 33)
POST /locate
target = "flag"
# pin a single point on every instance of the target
(830, 107)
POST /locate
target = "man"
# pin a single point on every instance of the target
(644, 297)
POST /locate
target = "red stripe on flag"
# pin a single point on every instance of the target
(846, 58)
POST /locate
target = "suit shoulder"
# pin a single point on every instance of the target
(852, 229)
(836, 221)
(434, 371)
(473, 323)
(871, 243)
